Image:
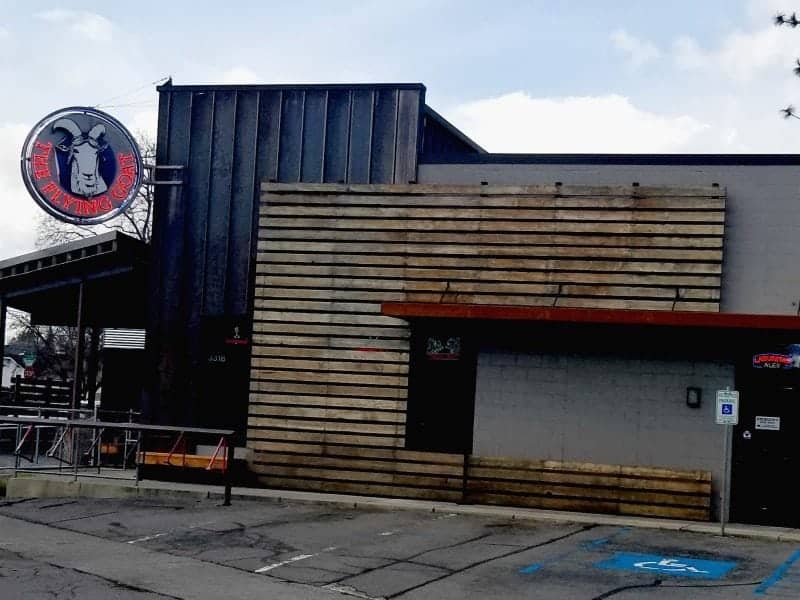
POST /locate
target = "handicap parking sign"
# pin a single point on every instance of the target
(677, 566)
(727, 407)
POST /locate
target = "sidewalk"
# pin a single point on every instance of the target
(54, 486)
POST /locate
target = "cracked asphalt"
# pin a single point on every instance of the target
(167, 548)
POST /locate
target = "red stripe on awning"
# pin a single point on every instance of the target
(412, 310)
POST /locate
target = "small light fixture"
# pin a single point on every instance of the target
(693, 397)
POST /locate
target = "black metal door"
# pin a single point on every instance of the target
(223, 393)
(766, 450)
(441, 392)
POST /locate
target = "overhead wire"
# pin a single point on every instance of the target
(106, 103)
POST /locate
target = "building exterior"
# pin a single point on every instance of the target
(380, 306)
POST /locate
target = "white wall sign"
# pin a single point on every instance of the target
(768, 423)
(727, 407)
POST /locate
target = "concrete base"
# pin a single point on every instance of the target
(38, 486)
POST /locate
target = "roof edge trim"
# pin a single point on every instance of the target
(664, 318)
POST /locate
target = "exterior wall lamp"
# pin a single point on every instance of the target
(693, 397)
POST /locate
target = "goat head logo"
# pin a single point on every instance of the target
(83, 157)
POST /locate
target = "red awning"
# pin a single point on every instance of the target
(413, 310)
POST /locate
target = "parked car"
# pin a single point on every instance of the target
(11, 368)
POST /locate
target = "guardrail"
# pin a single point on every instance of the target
(65, 445)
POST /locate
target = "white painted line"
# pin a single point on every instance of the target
(392, 532)
(146, 538)
(292, 560)
(284, 562)
(350, 591)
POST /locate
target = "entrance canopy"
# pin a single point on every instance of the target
(46, 284)
(96, 282)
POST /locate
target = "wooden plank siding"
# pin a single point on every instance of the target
(329, 372)
(589, 487)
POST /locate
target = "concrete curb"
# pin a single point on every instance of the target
(43, 486)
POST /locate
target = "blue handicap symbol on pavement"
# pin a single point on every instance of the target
(727, 409)
(668, 565)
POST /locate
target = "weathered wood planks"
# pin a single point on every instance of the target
(330, 373)
(590, 487)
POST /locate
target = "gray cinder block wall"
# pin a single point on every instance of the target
(610, 409)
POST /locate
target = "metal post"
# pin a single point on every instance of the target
(137, 464)
(726, 480)
(75, 454)
(99, 446)
(91, 373)
(36, 443)
(228, 471)
(78, 370)
(16, 454)
(2, 327)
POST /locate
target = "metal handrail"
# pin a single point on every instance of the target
(142, 429)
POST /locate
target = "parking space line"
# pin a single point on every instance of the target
(293, 559)
(146, 538)
(778, 574)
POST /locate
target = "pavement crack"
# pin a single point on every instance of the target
(57, 504)
(488, 560)
(80, 518)
(625, 588)
(397, 561)
(114, 582)
(350, 591)
(13, 502)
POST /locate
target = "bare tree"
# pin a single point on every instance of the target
(136, 221)
(789, 21)
(53, 346)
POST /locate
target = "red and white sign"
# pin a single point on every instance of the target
(82, 166)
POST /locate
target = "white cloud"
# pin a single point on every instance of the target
(517, 122)
(741, 56)
(241, 75)
(4, 33)
(17, 207)
(638, 51)
(89, 25)
(55, 15)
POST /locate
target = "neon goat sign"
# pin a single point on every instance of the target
(81, 166)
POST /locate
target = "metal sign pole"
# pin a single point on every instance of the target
(726, 474)
(727, 414)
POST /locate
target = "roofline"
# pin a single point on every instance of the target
(614, 159)
(169, 87)
(68, 247)
(453, 130)
(664, 318)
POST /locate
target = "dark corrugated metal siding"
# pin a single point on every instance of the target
(229, 139)
(440, 137)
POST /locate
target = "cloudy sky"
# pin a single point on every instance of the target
(535, 76)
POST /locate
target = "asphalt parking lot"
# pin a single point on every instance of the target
(187, 548)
